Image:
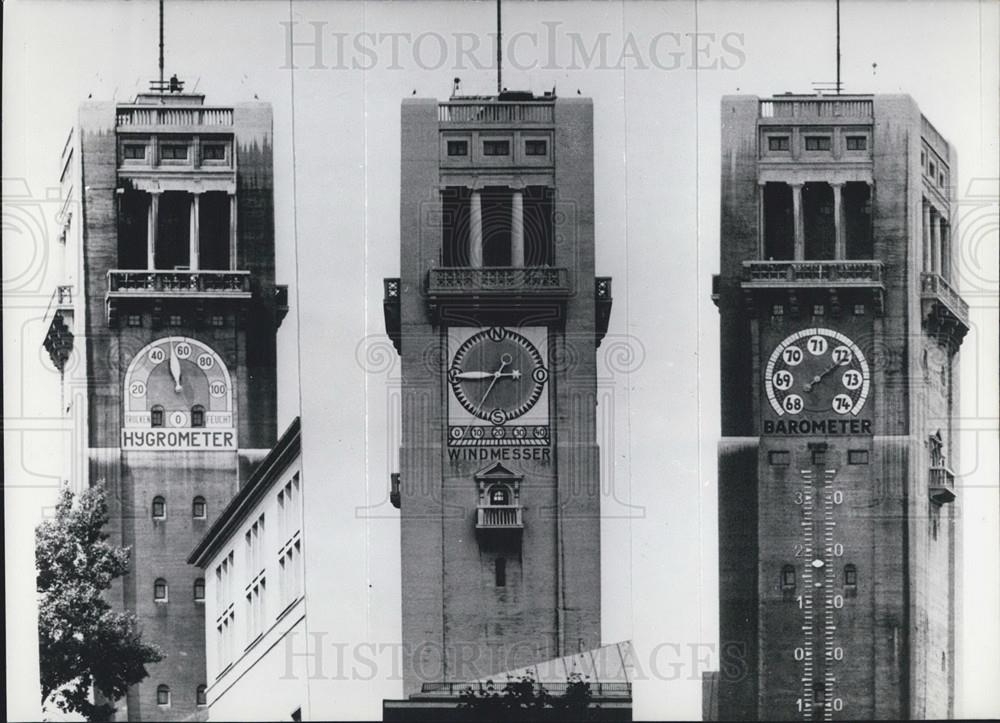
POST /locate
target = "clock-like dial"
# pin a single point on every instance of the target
(497, 375)
(817, 370)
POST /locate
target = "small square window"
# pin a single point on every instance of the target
(536, 148)
(213, 152)
(175, 320)
(160, 590)
(198, 508)
(819, 456)
(174, 152)
(218, 320)
(159, 508)
(817, 143)
(135, 319)
(778, 143)
(857, 143)
(857, 456)
(779, 457)
(156, 416)
(819, 310)
(163, 695)
(458, 148)
(496, 148)
(859, 309)
(134, 151)
(777, 310)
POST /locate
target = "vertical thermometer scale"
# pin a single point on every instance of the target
(819, 602)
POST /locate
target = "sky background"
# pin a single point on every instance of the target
(336, 161)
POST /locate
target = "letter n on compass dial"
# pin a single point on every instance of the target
(498, 379)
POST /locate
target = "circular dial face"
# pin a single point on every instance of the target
(497, 375)
(177, 382)
(817, 370)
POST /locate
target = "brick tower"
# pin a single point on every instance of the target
(497, 315)
(170, 316)
(840, 328)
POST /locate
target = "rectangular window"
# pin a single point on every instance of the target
(819, 456)
(213, 152)
(778, 143)
(779, 457)
(289, 534)
(174, 152)
(458, 148)
(819, 310)
(500, 571)
(536, 148)
(218, 320)
(857, 143)
(134, 151)
(817, 143)
(175, 320)
(932, 169)
(859, 309)
(777, 310)
(135, 320)
(496, 148)
(857, 456)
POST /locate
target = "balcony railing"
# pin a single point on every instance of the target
(60, 302)
(598, 689)
(499, 517)
(809, 108)
(781, 274)
(178, 283)
(942, 300)
(493, 111)
(145, 116)
(531, 280)
(942, 485)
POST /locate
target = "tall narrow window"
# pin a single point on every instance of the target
(163, 695)
(199, 590)
(817, 221)
(500, 571)
(455, 223)
(496, 214)
(779, 230)
(787, 583)
(156, 416)
(197, 416)
(160, 590)
(200, 695)
(199, 508)
(159, 508)
(850, 580)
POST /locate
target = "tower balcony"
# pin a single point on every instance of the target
(796, 281)
(391, 311)
(941, 485)
(176, 285)
(499, 518)
(146, 118)
(492, 111)
(59, 326)
(502, 281)
(943, 310)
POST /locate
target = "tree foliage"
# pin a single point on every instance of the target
(84, 644)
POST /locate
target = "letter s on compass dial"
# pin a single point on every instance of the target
(817, 370)
(497, 375)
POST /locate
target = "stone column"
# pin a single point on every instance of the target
(194, 237)
(517, 228)
(926, 235)
(476, 230)
(151, 221)
(935, 242)
(800, 239)
(761, 222)
(840, 242)
(945, 232)
(232, 232)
